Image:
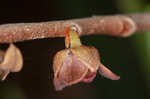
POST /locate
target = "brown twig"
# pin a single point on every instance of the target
(116, 25)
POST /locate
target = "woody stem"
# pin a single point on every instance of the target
(116, 25)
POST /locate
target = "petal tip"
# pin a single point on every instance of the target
(104, 71)
(115, 77)
(58, 85)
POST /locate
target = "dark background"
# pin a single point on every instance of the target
(128, 57)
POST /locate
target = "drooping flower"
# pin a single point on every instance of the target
(77, 63)
(10, 61)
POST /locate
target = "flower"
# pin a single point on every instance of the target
(10, 61)
(78, 63)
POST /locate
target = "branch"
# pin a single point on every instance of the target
(116, 25)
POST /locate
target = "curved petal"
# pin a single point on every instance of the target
(88, 55)
(71, 72)
(104, 71)
(89, 77)
(13, 60)
(58, 60)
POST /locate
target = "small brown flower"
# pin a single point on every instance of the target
(78, 64)
(10, 61)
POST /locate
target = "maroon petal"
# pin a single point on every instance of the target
(71, 72)
(89, 77)
(104, 71)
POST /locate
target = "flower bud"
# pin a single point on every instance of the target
(78, 63)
